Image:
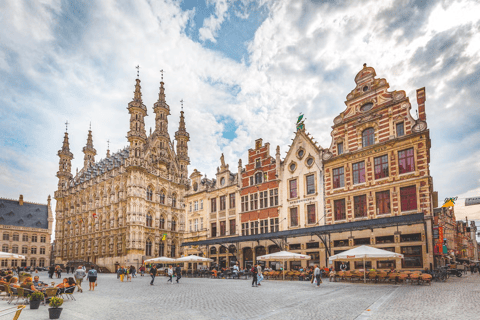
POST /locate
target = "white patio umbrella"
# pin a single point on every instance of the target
(284, 256)
(193, 258)
(7, 255)
(160, 260)
(366, 252)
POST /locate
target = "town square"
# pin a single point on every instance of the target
(239, 159)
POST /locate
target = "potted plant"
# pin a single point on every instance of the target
(55, 309)
(24, 276)
(35, 299)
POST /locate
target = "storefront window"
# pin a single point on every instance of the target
(412, 257)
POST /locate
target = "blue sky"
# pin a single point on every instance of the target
(245, 69)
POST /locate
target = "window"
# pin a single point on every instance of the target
(412, 257)
(258, 177)
(148, 248)
(24, 250)
(149, 221)
(339, 209)
(15, 249)
(33, 262)
(6, 236)
(381, 167)
(411, 237)
(405, 161)
(340, 148)
(400, 129)
(190, 225)
(5, 248)
(25, 237)
(149, 194)
(385, 239)
(195, 186)
(214, 229)
(16, 237)
(195, 205)
(174, 201)
(294, 217)
(311, 184)
(251, 181)
(292, 167)
(161, 250)
(172, 253)
(264, 226)
(359, 265)
(254, 227)
(42, 250)
(162, 198)
(42, 239)
(254, 201)
(196, 225)
(14, 263)
(258, 163)
(201, 204)
(263, 199)
(244, 203)
(41, 263)
(162, 222)
(360, 241)
(368, 137)
(358, 172)
(223, 203)
(300, 153)
(338, 181)
(231, 199)
(201, 223)
(245, 229)
(311, 215)
(33, 250)
(213, 205)
(312, 245)
(274, 225)
(273, 197)
(233, 227)
(310, 161)
(360, 206)
(222, 228)
(367, 106)
(408, 198)
(174, 225)
(383, 202)
(294, 246)
(293, 188)
(4, 263)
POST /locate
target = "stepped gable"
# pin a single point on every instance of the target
(14, 214)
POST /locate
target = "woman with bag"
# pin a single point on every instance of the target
(317, 274)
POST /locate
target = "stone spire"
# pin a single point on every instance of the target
(182, 137)
(65, 165)
(162, 111)
(89, 151)
(137, 135)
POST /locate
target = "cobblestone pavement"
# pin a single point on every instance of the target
(236, 299)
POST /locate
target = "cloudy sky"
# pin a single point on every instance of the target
(245, 69)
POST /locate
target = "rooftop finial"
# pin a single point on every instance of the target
(138, 71)
(66, 126)
(181, 101)
(108, 144)
(90, 126)
(161, 72)
(364, 65)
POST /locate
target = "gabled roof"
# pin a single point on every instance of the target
(302, 134)
(30, 215)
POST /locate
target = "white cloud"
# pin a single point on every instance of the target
(212, 24)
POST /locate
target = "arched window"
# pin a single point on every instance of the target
(148, 248)
(5, 248)
(258, 177)
(174, 201)
(368, 137)
(33, 262)
(174, 224)
(162, 197)
(149, 220)
(161, 250)
(162, 222)
(223, 249)
(41, 263)
(15, 249)
(213, 250)
(16, 237)
(149, 194)
(173, 251)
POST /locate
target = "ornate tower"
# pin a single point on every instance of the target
(162, 111)
(137, 135)
(89, 151)
(182, 138)
(65, 165)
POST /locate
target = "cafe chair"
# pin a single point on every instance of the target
(49, 293)
(69, 293)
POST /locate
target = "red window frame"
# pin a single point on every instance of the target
(408, 198)
(311, 215)
(339, 209)
(293, 188)
(294, 217)
(338, 178)
(360, 206)
(358, 171)
(381, 167)
(368, 137)
(406, 161)
(383, 202)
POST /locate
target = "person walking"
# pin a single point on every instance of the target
(51, 271)
(92, 278)
(254, 276)
(178, 272)
(79, 275)
(153, 273)
(122, 273)
(259, 274)
(133, 271)
(129, 274)
(317, 274)
(142, 270)
(170, 274)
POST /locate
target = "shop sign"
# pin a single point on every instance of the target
(369, 152)
(435, 232)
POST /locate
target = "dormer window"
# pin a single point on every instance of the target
(257, 163)
(195, 186)
(340, 148)
(366, 107)
(368, 137)
(222, 181)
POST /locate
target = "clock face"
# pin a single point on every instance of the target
(419, 126)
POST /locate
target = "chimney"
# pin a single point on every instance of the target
(421, 98)
(20, 200)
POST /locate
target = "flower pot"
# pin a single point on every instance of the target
(54, 312)
(34, 304)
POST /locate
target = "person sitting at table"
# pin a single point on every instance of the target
(71, 282)
(392, 269)
(37, 282)
(28, 284)
(14, 282)
(332, 274)
(64, 284)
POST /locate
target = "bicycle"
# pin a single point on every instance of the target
(440, 274)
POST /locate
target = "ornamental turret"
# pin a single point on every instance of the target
(162, 111)
(137, 135)
(89, 151)
(182, 137)
(64, 173)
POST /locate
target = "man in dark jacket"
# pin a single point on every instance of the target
(254, 276)
(51, 271)
(178, 272)
(153, 273)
